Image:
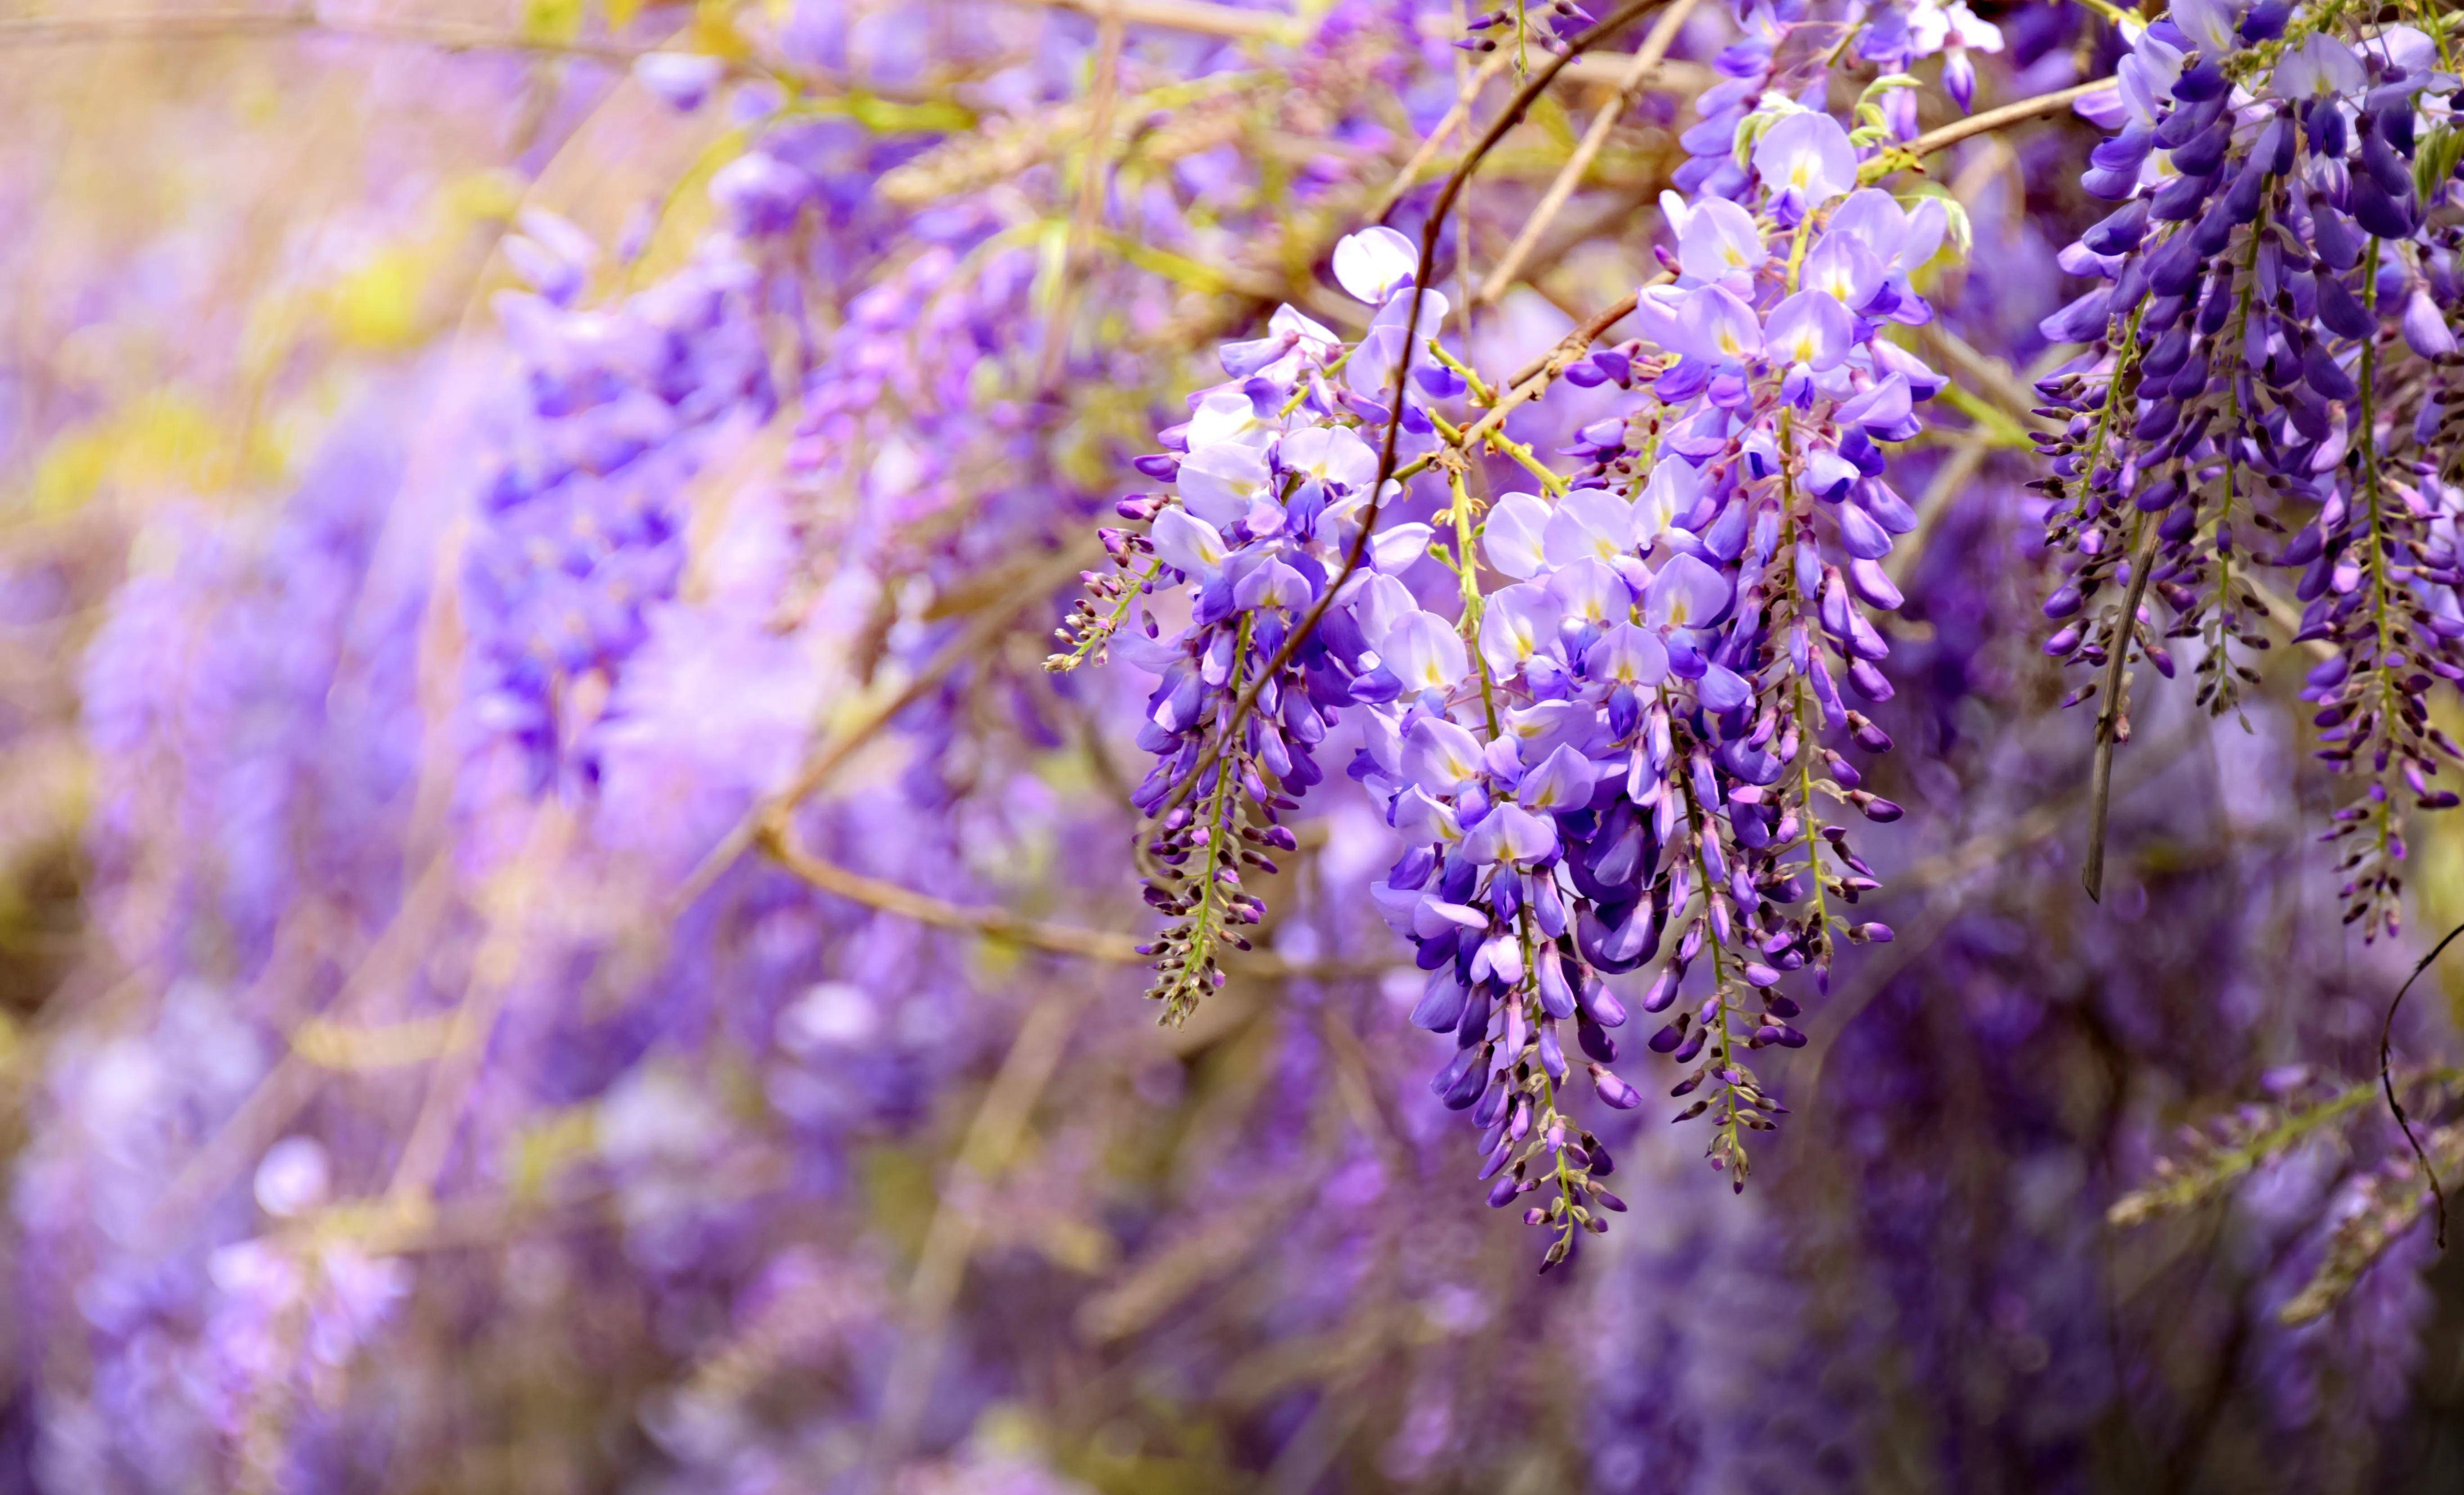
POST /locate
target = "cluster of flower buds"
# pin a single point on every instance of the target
(1617, 747)
(1547, 26)
(2207, 1162)
(1750, 69)
(2375, 1212)
(2268, 346)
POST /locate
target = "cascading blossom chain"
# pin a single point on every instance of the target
(1616, 743)
(2268, 384)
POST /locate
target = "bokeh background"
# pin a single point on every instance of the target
(533, 828)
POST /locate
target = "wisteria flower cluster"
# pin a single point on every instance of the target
(563, 925)
(2266, 386)
(1630, 742)
(620, 409)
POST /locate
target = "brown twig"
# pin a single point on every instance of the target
(1993, 120)
(2386, 1083)
(1638, 71)
(1464, 94)
(832, 755)
(1957, 471)
(1536, 377)
(999, 923)
(1573, 344)
(1603, 70)
(1992, 374)
(2110, 722)
(1194, 16)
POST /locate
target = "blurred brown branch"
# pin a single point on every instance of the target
(53, 31)
(997, 924)
(1042, 579)
(1194, 16)
(1642, 70)
(1993, 120)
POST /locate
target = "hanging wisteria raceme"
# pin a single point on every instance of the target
(2267, 386)
(1637, 739)
(725, 1078)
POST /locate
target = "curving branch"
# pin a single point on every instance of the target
(1993, 120)
(827, 759)
(997, 924)
(1643, 70)
(2386, 1079)
(1195, 16)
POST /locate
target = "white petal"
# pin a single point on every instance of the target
(1187, 542)
(1372, 262)
(1398, 546)
(1674, 210)
(1378, 605)
(1424, 652)
(1511, 538)
(1218, 481)
(1228, 416)
(1590, 524)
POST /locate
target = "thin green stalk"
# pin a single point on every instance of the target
(2383, 812)
(1203, 930)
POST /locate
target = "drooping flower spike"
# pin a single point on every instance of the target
(2268, 362)
(1611, 759)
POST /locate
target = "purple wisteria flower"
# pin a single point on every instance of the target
(581, 527)
(2270, 351)
(1618, 757)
